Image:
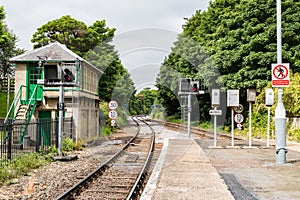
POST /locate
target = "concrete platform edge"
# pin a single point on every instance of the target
(152, 182)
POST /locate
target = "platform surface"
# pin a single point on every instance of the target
(183, 171)
(192, 169)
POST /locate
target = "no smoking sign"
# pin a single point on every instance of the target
(280, 75)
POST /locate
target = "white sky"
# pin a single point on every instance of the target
(145, 32)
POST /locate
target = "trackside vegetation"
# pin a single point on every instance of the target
(232, 45)
(21, 165)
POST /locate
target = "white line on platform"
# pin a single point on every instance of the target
(152, 182)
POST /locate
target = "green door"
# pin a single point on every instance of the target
(45, 127)
(33, 74)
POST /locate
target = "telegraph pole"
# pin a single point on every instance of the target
(280, 113)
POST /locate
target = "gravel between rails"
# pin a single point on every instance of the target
(51, 180)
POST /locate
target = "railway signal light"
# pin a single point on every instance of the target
(198, 86)
(195, 87)
(188, 85)
(68, 75)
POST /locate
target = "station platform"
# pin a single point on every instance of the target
(191, 169)
(183, 171)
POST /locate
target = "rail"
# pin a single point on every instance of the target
(74, 189)
(134, 192)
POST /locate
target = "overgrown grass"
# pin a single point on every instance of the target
(106, 131)
(206, 125)
(21, 166)
(3, 101)
(173, 119)
(67, 144)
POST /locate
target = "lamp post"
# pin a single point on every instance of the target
(280, 113)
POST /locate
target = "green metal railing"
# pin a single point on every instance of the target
(29, 111)
(18, 100)
(15, 104)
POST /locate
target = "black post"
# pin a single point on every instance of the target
(9, 146)
(38, 135)
(71, 127)
(56, 132)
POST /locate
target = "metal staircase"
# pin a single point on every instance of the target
(21, 111)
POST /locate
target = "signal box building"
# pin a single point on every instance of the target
(38, 74)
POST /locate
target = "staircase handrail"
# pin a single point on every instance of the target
(15, 102)
(32, 101)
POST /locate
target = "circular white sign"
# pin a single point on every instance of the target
(239, 108)
(113, 122)
(112, 114)
(239, 126)
(238, 118)
(112, 105)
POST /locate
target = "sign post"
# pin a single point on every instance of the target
(189, 115)
(232, 101)
(269, 102)
(280, 113)
(189, 87)
(112, 114)
(215, 103)
(251, 97)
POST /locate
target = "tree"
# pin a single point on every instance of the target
(115, 78)
(8, 47)
(240, 38)
(76, 35)
(93, 44)
(147, 97)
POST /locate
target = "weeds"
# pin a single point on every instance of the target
(21, 166)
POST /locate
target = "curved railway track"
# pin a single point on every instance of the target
(122, 176)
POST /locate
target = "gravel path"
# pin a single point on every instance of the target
(51, 180)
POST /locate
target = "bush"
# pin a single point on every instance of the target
(106, 131)
(67, 144)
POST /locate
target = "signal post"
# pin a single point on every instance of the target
(188, 87)
(62, 76)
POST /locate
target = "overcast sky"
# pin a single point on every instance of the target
(145, 32)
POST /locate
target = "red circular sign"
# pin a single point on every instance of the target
(280, 72)
(112, 114)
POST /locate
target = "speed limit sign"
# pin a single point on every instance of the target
(112, 114)
(113, 105)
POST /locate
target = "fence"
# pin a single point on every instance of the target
(7, 84)
(39, 134)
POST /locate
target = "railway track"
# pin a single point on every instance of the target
(199, 132)
(121, 177)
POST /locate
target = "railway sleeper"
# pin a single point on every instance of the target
(116, 177)
(132, 158)
(101, 191)
(119, 186)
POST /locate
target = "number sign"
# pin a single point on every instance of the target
(112, 105)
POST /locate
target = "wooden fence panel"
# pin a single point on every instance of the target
(7, 84)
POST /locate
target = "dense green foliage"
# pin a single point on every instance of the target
(145, 99)
(8, 47)
(75, 34)
(291, 102)
(232, 45)
(115, 82)
(142, 102)
(3, 103)
(93, 44)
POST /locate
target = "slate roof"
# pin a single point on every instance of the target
(54, 52)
